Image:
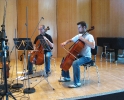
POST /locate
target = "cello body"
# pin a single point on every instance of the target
(68, 60)
(37, 56)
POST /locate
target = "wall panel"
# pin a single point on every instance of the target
(100, 17)
(62, 16)
(66, 22)
(31, 12)
(116, 18)
(106, 14)
(84, 11)
(27, 18)
(107, 17)
(69, 12)
(47, 10)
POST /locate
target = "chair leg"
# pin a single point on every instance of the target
(86, 68)
(101, 56)
(84, 73)
(88, 72)
(54, 62)
(110, 57)
(97, 73)
(35, 68)
(107, 54)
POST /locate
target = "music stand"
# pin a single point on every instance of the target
(17, 85)
(24, 44)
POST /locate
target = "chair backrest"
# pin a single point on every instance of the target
(94, 51)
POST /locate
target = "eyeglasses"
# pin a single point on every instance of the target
(40, 29)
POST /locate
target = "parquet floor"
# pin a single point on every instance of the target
(111, 79)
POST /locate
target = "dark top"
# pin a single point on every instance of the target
(41, 36)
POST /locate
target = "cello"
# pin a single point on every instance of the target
(37, 56)
(73, 53)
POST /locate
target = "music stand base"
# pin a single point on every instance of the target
(29, 90)
(15, 86)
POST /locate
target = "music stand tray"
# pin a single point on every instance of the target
(23, 43)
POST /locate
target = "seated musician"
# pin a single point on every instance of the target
(85, 54)
(48, 54)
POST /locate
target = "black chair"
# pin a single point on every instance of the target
(107, 51)
(92, 63)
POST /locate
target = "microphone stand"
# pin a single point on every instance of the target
(29, 89)
(4, 55)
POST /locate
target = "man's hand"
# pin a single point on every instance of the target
(45, 38)
(63, 44)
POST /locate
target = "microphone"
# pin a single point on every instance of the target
(42, 18)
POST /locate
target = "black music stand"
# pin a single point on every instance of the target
(24, 44)
(16, 43)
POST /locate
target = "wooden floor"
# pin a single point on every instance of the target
(111, 79)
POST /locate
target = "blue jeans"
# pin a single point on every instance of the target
(47, 62)
(76, 69)
(65, 74)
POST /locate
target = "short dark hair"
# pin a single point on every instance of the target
(82, 23)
